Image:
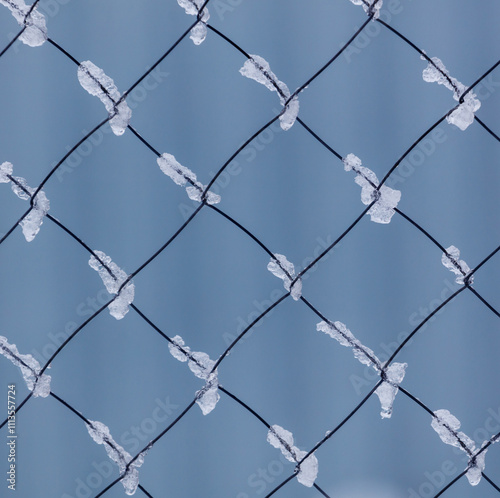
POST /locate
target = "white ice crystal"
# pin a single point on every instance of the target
(30, 368)
(201, 365)
(376, 8)
(286, 271)
(101, 435)
(199, 31)
(35, 32)
(387, 198)
(113, 281)
(463, 115)
(476, 466)
(393, 374)
(258, 69)
(283, 440)
(5, 172)
(34, 219)
(386, 392)
(458, 266)
(345, 337)
(97, 83)
(195, 193)
(32, 222)
(182, 176)
(447, 425)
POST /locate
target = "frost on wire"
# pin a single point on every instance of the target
(182, 176)
(201, 365)
(386, 198)
(463, 115)
(96, 82)
(35, 31)
(283, 440)
(113, 280)
(447, 425)
(451, 260)
(258, 69)
(282, 268)
(30, 368)
(392, 375)
(101, 435)
(373, 7)
(32, 222)
(199, 32)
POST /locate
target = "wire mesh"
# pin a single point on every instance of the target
(292, 280)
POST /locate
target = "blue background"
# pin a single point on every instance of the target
(294, 195)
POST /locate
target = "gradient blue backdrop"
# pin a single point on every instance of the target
(381, 281)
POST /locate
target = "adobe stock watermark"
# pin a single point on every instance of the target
(417, 157)
(428, 145)
(84, 309)
(389, 10)
(132, 440)
(263, 477)
(223, 7)
(261, 306)
(234, 168)
(369, 374)
(436, 479)
(139, 94)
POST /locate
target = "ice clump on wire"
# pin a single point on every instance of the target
(374, 6)
(392, 375)
(458, 266)
(97, 83)
(386, 392)
(463, 115)
(6, 169)
(32, 222)
(30, 368)
(201, 365)
(283, 440)
(199, 32)
(282, 268)
(258, 69)
(182, 175)
(101, 435)
(120, 306)
(447, 425)
(387, 198)
(35, 32)
(345, 337)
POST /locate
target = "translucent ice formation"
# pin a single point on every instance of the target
(182, 176)
(451, 260)
(30, 368)
(113, 281)
(283, 440)
(201, 365)
(35, 31)
(96, 82)
(258, 69)
(373, 7)
(32, 222)
(392, 375)
(463, 115)
(386, 198)
(101, 435)
(282, 268)
(192, 7)
(447, 425)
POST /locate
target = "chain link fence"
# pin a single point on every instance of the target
(380, 199)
